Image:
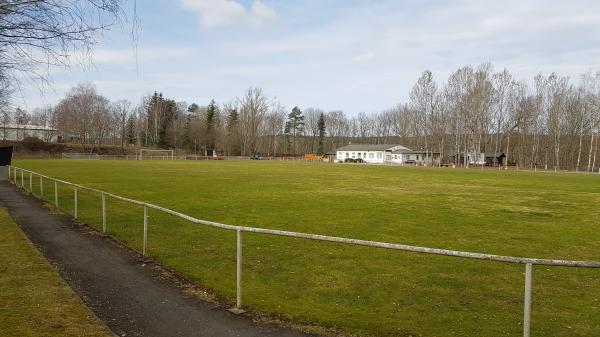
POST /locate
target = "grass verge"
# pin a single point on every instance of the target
(34, 299)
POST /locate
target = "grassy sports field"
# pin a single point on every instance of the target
(360, 289)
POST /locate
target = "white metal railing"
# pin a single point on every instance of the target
(528, 262)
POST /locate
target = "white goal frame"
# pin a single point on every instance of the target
(169, 154)
(80, 156)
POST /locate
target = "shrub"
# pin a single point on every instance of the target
(33, 144)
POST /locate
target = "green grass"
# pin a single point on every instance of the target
(359, 289)
(34, 299)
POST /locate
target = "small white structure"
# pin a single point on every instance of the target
(386, 153)
(18, 132)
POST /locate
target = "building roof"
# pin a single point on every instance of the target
(27, 127)
(371, 147)
(407, 151)
(491, 154)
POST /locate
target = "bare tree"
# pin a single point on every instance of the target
(311, 122)
(253, 107)
(121, 110)
(423, 103)
(36, 34)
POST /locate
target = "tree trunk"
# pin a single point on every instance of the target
(507, 151)
(579, 151)
(595, 152)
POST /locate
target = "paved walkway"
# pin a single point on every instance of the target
(128, 297)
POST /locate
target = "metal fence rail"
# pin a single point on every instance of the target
(528, 262)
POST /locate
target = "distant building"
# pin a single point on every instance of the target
(481, 158)
(386, 153)
(15, 132)
(421, 157)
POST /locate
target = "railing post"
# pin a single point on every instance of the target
(527, 309)
(145, 231)
(41, 188)
(103, 213)
(75, 203)
(22, 179)
(56, 193)
(9, 168)
(238, 301)
(30, 182)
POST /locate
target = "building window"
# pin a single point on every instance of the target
(417, 157)
(353, 154)
(359, 155)
(365, 155)
(371, 155)
(347, 154)
(379, 155)
(388, 157)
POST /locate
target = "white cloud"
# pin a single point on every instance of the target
(261, 13)
(219, 13)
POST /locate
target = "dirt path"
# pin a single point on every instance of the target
(127, 296)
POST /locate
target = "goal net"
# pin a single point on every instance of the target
(155, 154)
(83, 156)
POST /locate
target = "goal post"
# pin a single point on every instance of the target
(147, 154)
(80, 156)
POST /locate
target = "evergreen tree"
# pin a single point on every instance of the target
(193, 108)
(321, 128)
(188, 137)
(160, 114)
(232, 126)
(131, 134)
(294, 126)
(169, 113)
(211, 121)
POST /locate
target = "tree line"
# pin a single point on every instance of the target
(550, 122)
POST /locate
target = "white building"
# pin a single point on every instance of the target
(406, 156)
(385, 153)
(16, 132)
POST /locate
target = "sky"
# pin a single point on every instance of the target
(350, 55)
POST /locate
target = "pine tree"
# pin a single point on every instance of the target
(232, 132)
(294, 127)
(130, 131)
(193, 108)
(321, 127)
(211, 121)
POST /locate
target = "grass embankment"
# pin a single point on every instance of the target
(34, 299)
(360, 289)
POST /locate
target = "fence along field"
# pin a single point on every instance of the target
(357, 288)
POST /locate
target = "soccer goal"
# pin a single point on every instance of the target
(155, 154)
(81, 156)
